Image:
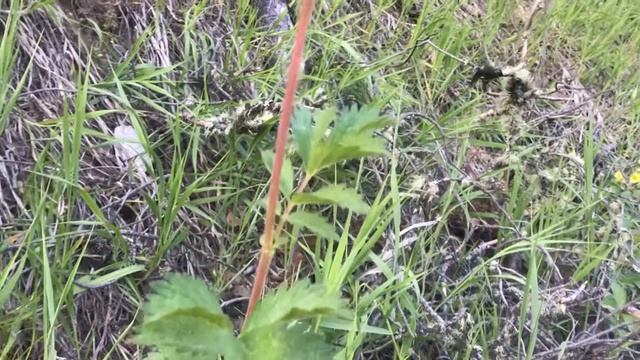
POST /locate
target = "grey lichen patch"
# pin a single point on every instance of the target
(248, 116)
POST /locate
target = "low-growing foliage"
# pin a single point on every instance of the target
(183, 319)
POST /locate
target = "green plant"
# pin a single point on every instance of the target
(183, 319)
(8, 58)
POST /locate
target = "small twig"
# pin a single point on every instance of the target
(562, 112)
(493, 112)
(553, 98)
(424, 224)
(551, 263)
(429, 42)
(425, 117)
(501, 285)
(378, 348)
(591, 340)
(224, 304)
(388, 254)
(463, 61)
(439, 321)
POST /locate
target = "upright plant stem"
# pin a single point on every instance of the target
(266, 253)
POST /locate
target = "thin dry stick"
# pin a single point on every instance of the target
(266, 253)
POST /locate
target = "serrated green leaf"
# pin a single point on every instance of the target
(356, 120)
(315, 223)
(295, 342)
(338, 194)
(302, 301)
(183, 320)
(351, 147)
(183, 295)
(371, 122)
(351, 138)
(180, 337)
(323, 118)
(301, 128)
(286, 176)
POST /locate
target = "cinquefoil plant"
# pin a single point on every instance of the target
(183, 319)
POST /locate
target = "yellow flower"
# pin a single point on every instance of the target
(619, 178)
(634, 178)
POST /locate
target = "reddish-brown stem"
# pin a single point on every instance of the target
(290, 205)
(266, 253)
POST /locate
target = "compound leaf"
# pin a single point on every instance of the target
(351, 138)
(349, 147)
(354, 120)
(183, 320)
(339, 195)
(280, 342)
(302, 301)
(183, 337)
(183, 294)
(323, 118)
(315, 223)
